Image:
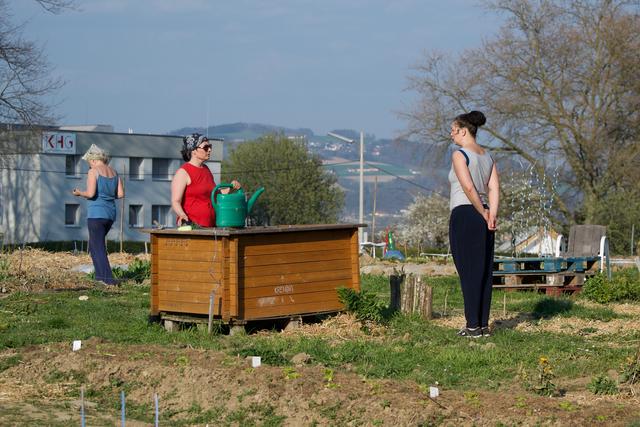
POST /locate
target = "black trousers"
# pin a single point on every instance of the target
(472, 249)
(98, 229)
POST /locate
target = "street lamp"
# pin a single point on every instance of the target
(351, 141)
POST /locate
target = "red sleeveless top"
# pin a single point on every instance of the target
(196, 201)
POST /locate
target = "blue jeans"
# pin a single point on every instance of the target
(98, 229)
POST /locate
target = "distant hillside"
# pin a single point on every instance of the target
(404, 168)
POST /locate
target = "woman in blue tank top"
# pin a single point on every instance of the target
(103, 188)
(474, 208)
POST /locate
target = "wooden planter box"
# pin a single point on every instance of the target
(254, 273)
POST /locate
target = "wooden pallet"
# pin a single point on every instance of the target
(545, 265)
(552, 275)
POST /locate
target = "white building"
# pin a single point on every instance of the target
(39, 169)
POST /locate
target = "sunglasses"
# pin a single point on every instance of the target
(206, 147)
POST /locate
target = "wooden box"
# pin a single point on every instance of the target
(253, 273)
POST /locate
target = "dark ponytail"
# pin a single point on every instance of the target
(186, 154)
(471, 121)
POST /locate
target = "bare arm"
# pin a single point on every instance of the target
(464, 177)
(92, 183)
(178, 185)
(494, 197)
(120, 194)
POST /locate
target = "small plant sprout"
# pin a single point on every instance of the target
(328, 378)
(290, 373)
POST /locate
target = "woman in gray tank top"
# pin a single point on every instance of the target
(474, 208)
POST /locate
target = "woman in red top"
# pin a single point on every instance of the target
(193, 183)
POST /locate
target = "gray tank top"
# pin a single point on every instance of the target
(480, 167)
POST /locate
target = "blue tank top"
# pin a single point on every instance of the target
(103, 203)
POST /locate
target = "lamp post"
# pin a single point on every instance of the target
(351, 141)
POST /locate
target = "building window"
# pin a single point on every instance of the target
(72, 166)
(136, 168)
(71, 214)
(161, 169)
(161, 215)
(135, 216)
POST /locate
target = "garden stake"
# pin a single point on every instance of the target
(446, 294)
(155, 398)
(504, 305)
(82, 406)
(122, 406)
(210, 325)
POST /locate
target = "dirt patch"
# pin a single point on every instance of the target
(33, 270)
(369, 265)
(184, 378)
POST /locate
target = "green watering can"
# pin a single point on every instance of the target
(232, 209)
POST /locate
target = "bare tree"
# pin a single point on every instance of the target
(560, 84)
(25, 75)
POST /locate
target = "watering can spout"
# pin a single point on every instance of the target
(253, 198)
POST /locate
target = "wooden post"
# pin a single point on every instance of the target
(395, 283)
(418, 295)
(446, 295)
(427, 307)
(210, 323)
(373, 216)
(408, 294)
(504, 305)
(124, 174)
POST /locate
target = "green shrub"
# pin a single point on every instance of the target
(602, 384)
(623, 286)
(138, 271)
(365, 305)
(630, 372)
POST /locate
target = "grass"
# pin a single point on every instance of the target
(412, 348)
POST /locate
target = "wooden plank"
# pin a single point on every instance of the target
(291, 300)
(300, 309)
(189, 277)
(182, 243)
(250, 231)
(284, 269)
(296, 237)
(154, 277)
(191, 287)
(233, 277)
(190, 255)
(291, 289)
(184, 307)
(527, 286)
(225, 280)
(186, 266)
(284, 279)
(294, 257)
(281, 248)
(355, 261)
(192, 298)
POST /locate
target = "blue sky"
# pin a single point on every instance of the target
(159, 65)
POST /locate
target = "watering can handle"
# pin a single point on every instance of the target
(214, 193)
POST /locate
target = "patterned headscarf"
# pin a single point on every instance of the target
(191, 142)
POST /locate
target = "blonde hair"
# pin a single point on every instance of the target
(96, 153)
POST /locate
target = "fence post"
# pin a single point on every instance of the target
(395, 284)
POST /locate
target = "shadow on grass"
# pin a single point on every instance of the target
(545, 308)
(550, 307)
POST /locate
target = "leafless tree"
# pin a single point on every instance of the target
(560, 84)
(25, 75)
